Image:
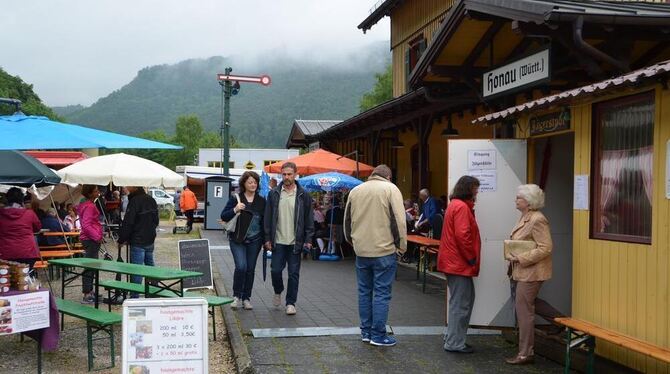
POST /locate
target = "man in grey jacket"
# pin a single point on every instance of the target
(374, 223)
(289, 226)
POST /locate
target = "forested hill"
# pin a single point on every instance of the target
(13, 87)
(261, 116)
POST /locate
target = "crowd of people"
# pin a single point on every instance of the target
(288, 222)
(376, 221)
(22, 221)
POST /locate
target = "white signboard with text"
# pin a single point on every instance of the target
(165, 336)
(24, 312)
(527, 71)
(482, 160)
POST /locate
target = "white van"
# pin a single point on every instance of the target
(162, 198)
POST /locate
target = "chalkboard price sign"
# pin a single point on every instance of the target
(194, 256)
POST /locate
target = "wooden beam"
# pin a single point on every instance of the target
(483, 42)
(650, 55)
(451, 71)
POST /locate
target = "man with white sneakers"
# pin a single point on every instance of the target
(289, 226)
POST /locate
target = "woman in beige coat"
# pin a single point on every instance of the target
(529, 269)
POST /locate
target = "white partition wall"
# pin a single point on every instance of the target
(501, 167)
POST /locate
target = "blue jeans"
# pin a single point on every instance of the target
(245, 256)
(281, 255)
(141, 255)
(375, 280)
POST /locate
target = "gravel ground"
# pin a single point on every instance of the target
(71, 356)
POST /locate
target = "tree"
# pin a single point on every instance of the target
(381, 92)
(190, 134)
(15, 88)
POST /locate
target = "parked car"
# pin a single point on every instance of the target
(162, 198)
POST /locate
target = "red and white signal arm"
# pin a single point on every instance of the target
(263, 79)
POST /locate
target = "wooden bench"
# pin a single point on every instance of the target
(212, 300)
(59, 247)
(583, 333)
(60, 254)
(96, 320)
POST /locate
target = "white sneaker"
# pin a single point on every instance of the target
(247, 305)
(290, 310)
(276, 300)
(236, 303)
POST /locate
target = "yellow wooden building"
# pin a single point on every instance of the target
(447, 56)
(620, 130)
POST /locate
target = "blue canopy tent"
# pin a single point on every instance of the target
(21, 132)
(329, 182)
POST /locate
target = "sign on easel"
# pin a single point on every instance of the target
(165, 336)
(194, 256)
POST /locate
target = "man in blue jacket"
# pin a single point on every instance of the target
(289, 226)
(429, 209)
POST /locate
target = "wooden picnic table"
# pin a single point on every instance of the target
(427, 246)
(153, 275)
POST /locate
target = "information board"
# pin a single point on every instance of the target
(165, 336)
(194, 256)
(24, 312)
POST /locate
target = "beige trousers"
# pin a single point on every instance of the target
(526, 292)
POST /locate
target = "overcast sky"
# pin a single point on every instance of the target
(77, 51)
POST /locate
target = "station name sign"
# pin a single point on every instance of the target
(528, 71)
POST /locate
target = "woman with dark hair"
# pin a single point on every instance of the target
(247, 239)
(18, 226)
(458, 259)
(90, 237)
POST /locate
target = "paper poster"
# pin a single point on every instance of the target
(160, 336)
(488, 179)
(482, 160)
(24, 312)
(581, 195)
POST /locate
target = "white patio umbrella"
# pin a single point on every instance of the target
(122, 170)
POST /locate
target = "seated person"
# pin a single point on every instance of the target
(72, 219)
(51, 222)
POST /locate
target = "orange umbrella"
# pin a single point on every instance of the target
(322, 161)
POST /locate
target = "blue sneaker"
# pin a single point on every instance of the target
(365, 337)
(386, 341)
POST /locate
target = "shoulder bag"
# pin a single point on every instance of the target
(232, 224)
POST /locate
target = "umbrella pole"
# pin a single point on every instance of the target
(62, 229)
(331, 245)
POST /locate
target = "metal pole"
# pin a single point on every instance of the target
(357, 171)
(222, 124)
(227, 92)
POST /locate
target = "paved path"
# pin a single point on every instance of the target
(327, 298)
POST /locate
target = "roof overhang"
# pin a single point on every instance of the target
(57, 158)
(460, 50)
(633, 78)
(381, 10)
(398, 112)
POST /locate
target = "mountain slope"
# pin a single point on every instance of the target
(13, 87)
(260, 116)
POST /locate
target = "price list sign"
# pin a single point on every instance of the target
(165, 336)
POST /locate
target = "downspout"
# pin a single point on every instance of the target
(590, 50)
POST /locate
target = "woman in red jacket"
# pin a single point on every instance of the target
(459, 259)
(90, 237)
(17, 230)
